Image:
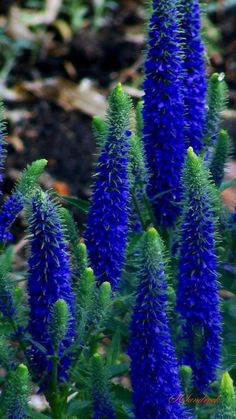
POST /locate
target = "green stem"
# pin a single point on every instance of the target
(149, 209)
(54, 395)
(137, 209)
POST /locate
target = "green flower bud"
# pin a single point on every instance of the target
(216, 104)
(81, 257)
(58, 324)
(105, 295)
(185, 374)
(226, 408)
(221, 153)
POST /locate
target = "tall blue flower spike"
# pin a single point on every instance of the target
(163, 111)
(154, 371)
(107, 227)
(197, 293)
(49, 280)
(194, 81)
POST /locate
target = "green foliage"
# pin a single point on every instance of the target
(102, 401)
(138, 169)
(6, 353)
(118, 112)
(87, 287)
(104, 296)
(197, 176)
(99, 130)
(70, 227)
(78, 250)
(78, 203)
(221, 154)
(226, 408)
(16, 393)
(29, 177)
(139, 119)
(82, 257)
(216, 104)
(6, 291)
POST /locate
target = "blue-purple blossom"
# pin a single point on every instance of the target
(194, 80)
(163, 111)
(107, 226)
(154, 370)
(49, 280)
(197, 293)
(8, 213)
(14, 204)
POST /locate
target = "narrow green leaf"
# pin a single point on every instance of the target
(115, 370)
(79, 203)
(114, 349)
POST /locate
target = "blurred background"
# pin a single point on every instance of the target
(59, 59)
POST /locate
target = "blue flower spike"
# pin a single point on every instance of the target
(154, 371)
(107, 226)
(198, 295)
(163, 111)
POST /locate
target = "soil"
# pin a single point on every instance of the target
(65, 138)
(102, 55)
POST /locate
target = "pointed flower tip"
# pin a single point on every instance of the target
(217, 77)
(22, 367)
(223, 133)
(38, 165)
(153, 242)
(152, 232)
(186, 369)
(119, 87)
(227, 384)
(43, 162)
(61, 303)
(191, 154)
(106, 285)
(89, 275)
(186, 375)
(22, 371)
(190, 151)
